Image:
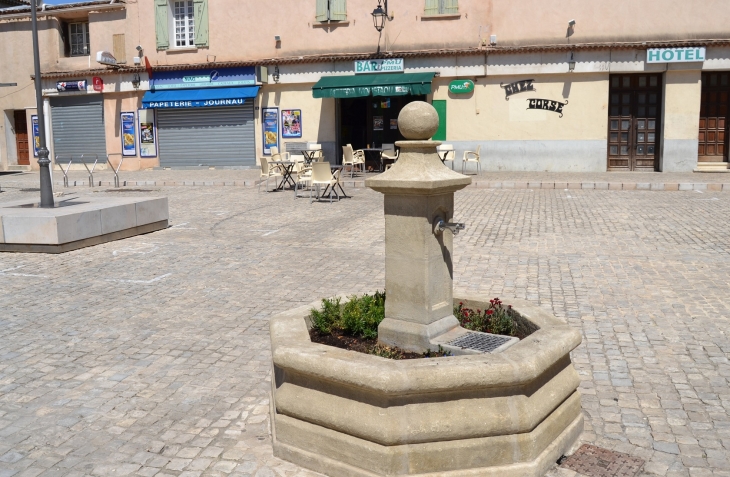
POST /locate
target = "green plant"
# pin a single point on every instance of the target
(496, 319)
(359, 317)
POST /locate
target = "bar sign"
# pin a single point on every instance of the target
(675, 55)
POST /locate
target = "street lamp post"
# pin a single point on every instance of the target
(379, 17)
(43, 161)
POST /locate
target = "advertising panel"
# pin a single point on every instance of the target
(291, 123)
(79, 85)
(36, 135)
(147, 133)
(204, 78)
(129, 138)
(270, 122)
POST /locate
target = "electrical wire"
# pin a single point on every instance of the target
(17, 90)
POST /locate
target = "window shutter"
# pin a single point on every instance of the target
(432, 7)
(322, 10)
(161, 25)
(451, 6)
(338, 9)
(201, 22)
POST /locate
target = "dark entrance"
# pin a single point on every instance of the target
(713, 134)
(370, 121)
(21, 137)
(634, 122)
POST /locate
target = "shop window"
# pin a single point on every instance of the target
(78, 39)
(331, 10)
(441, 7)
(181, 23)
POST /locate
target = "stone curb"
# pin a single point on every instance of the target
(644, 186)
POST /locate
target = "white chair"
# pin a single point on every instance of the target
(267, 173)
(358, 159)
(322, 176)
(304, 177)
(348, 159)
(446, 150)
(390, 154)
(472, 156)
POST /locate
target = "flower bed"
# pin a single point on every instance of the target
(354, 325)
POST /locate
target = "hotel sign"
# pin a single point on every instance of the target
(390, 65)
(675, 55)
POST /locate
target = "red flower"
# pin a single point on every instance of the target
(490, 312)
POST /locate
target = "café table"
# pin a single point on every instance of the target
(309, 154)
(375, 152)
(286, 170)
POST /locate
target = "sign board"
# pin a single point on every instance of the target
(675, 55)
(129, 138)
(291, 123)
(147, 133)
(390, 65)
(204, 78)
(106, 58)
(98, 83)
(461, 87)
(270, 123)
(71, 85)
(36, 135)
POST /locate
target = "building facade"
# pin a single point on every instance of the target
(576, 86)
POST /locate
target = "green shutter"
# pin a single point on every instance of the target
(440, 106)
(161, 25)
(338, 9)
(201, 22)
(322, 10)
(432, 7)
(451, 6)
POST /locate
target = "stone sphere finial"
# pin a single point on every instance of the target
(418, 121)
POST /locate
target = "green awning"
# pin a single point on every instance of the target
(384, 84)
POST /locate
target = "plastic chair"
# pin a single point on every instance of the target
(472, 156)
(322, 175)
(446, 149)
(358, 159)
(267, 172)
(348, 158)
(389, 153)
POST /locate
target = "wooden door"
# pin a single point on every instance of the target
(21, 138)
(713, 134)
(634, 122)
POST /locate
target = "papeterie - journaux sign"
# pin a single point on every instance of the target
(675, 55)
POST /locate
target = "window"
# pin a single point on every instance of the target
(78, 35)
(441, 7)
(188, 20)
(184, 22)
(331, 10)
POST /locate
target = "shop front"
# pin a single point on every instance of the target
(204, 118)
(367, 105)
(78, 122)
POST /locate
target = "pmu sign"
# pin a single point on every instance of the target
(675, 55)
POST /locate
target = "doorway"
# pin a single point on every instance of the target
(713, 133)
(370, 121)
(22, 145)
(634, 122)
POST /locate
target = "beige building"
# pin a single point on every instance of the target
(576, 86)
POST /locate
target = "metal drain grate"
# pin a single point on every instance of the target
(479, 342)
(594, 461)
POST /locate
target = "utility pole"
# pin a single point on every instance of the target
(43, 161)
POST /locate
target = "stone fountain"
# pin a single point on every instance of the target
(510, 411)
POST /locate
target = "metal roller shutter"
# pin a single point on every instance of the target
(78, 126)
(207, 136)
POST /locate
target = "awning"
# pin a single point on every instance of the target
(384, 84)
(198, 98)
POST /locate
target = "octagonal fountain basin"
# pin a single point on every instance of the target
(508, 413)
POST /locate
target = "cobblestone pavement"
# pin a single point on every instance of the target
(150, 356)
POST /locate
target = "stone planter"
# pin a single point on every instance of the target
(344, 413)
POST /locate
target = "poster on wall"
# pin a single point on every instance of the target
(270, 123)
(377, 123)
(36, 135)
(291, 123)
(393, 124)
(147, 133)
(129, 139)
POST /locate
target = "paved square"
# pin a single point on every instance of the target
(150, 356)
